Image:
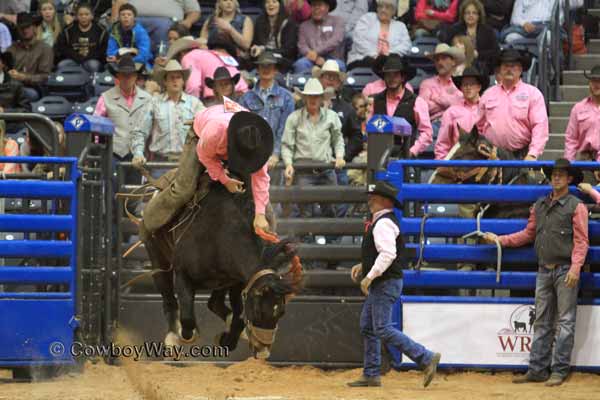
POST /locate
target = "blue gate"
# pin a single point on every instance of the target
(38, 303)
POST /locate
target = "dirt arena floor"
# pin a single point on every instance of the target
(255, 379)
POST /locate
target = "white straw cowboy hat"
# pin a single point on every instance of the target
(329, 66)
(454, 52)
(312, 88)
(172, 66)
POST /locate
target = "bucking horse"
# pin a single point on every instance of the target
(212, 245)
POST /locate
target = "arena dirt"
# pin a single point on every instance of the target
(251, 379)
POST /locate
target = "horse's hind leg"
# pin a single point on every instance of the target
(185, 295)
(231, 337)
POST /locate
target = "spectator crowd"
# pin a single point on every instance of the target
(172, 58)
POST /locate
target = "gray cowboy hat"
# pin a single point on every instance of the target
(594, 73)
(514, 55)
(472, 72)
(393, 62)
(125, 65)
(181, 44)
(249, 142)
(172, 66)
(563, 163)
(268, 57)
(386, 190)
(220, 74)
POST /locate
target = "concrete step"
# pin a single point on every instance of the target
(561, 108)
(556, 141)
(586, 61)
(574, 77)
(574, 92)
(552, 154)
(558, 124)
(593, 46)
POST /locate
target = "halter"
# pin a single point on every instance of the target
(265, 337)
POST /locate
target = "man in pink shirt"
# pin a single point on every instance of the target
(439, 91)
(380, 276)
(582, 138)
(396, 101)
(558, 224)
(512, 114)
(461, 116)
(222, 133)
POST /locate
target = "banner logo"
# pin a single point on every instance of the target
(515, 339)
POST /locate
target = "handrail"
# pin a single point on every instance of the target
(26, 118)
(567, 12)
(555, 49)
(543, 81)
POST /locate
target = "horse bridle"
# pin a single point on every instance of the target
(263, 336)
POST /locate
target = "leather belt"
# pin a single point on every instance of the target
(551, 266)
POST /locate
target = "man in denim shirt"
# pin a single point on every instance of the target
(270, 101)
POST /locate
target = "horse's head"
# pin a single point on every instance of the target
(474, 146)
(265, 298)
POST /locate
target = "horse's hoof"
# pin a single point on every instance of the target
(243, 335)
(190, 340)
(263, 354)
(172, 339)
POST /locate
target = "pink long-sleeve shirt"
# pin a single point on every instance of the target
(580, 236)
(439, 94)
(424, 128)
(100, 109)
(514, 119)
(583, 130)
(449, 15)
(384, 235)
(210, 126)
(463, 115)
(202, 64)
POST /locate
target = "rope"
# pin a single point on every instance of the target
(421, 241)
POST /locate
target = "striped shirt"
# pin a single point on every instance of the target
(165, 121)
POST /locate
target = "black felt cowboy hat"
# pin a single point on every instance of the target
(393, 62)
(125, 65)
(249, 142)
(386, 190)
(25, 20)
(594, 73)
(332, 3)
(472, 72)
(220, 74)
(514, 55)
(563, 163)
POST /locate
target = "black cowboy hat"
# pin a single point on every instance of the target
(219, 74)
(25, 20)
(393, 62)
(125, 65)
(249, 142)
(594, 73)
(386, 190)
(563, 163)
(269, 57)
(472, 72)
(8, 60)
(332, 4)
(514, 55)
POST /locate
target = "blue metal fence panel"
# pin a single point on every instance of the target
(38, 326)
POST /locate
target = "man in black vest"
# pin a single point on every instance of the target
(396, 101)
(559, 225)
(380, 277)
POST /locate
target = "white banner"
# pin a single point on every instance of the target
(492, 334)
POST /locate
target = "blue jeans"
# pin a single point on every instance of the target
(376, 327)
(308, 178)
(342, 180)
(305, 65)
(512, 33)
(157, 28)
(553, 300)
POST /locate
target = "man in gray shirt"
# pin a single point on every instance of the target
(158, 16)
(10, 8)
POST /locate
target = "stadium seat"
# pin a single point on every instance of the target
(70, 82)
(55, 107)
(358, 78)
(103, 82)
(87, 107)
(297, 80)
(420, 51)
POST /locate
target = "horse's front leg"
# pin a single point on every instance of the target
(230, 339)
(186, 296)
(216, 304)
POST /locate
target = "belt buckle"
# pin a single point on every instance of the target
(551, 266)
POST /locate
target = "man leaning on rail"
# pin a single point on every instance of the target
(559, 225)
